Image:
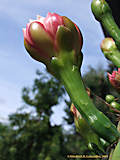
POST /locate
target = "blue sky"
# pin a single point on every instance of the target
(17, 68)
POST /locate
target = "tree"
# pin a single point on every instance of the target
(35, 137)
(31, 135)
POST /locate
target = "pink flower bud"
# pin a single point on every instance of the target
(44, 37)
(114, 79)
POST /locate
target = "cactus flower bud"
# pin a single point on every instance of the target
(111, 51)
(109, 98)
(115, 105)
(100, 8)
(107, 45)
(45, 37)
(114, 79)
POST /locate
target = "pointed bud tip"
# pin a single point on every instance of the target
(31, 20)
(24, 29)
(109, 75)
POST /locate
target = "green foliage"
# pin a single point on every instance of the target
(69, 118)
(96, 80)
(34, 136)
(30, 135)
(44, 94)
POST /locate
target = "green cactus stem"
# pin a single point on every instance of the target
(71, 78)
(104, 143)
(88, 134)
(116, 153)
(103, 14)
(90, 137)
(111, 51)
